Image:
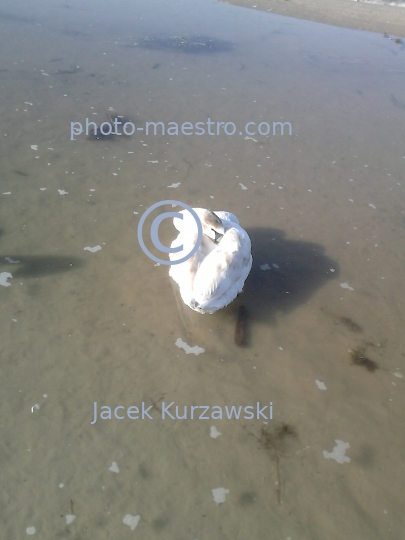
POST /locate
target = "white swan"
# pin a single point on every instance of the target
(216, 273)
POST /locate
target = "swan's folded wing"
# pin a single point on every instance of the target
(224, 270)
(182, 271)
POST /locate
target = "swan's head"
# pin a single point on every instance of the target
(212, 226)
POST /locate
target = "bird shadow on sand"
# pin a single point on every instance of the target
(285, 273)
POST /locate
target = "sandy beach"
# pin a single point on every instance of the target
(86, 317)
(344, 13)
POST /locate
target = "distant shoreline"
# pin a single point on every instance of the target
(344, 13)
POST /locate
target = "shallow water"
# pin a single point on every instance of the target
(325, 209)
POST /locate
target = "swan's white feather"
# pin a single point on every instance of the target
(216, 273)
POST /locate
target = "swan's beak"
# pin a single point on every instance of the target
(218, 237)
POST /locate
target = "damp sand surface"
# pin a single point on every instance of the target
(87, 317)
(376, 16)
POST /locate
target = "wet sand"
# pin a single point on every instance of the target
(348, 14)
(325, 209)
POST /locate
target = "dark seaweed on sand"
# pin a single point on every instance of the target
(358, 358)
(111, 117)
(185, 44)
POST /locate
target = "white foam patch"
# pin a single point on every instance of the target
(372, 205)
(93, 249)
(320, 385)
(250, 139)
(174, 185)
(4, 276)
(70, 518)
(346, 286)
(61, 486)
(63, 192)
(42, 188)
(36, 406)
(214, 433)
(34, 147)
(265, 267)
(7, 193)
(338, 452)
(153, 161)
(220, 494)
(131, 521)
(11, 260)
(114, 467)
(30, 530)
(242, 186)
(194, 350)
